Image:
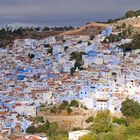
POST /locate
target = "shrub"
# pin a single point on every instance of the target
(74, 103)
(131, 108)
(31, 129)
(90, 119)
(69, 110)
(63, 105)
(119, 121)
(53, 109)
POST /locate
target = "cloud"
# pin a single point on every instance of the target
(59, 12)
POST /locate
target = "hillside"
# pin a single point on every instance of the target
(7, 37)
(89, 29)
(134, 22)
(94, 28)
(131, 18)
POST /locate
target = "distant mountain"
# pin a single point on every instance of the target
(15, 26)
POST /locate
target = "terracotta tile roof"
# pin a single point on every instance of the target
(102, 100)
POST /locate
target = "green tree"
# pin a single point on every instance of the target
(130, 108)
(81, 68)
(89, 44)
(110, 20)
(47, 46)
(69, 110)
(92, 37)
(134, 129)
(130, 29)
(46, 29)
(85, 137)
(74, 103)
(120, 133)
(134, 138)
(102, 122)
(31, 56)
(136, 42)
(79, 42)
(38, 119)
(37, 28)
(53, 128)
(89, 137)
(119, 121)
(77, 65)
(41, 129)
(53, 109)
(47, 124)
(130, 13)
(50, 50)
(65, 48)
(90, 119)
(59, 136)
(72, 70)
(77, 56)
(105, 136)
(76, 128)
(124, 25)
(63, 105)
(31, 129)
(118, 27)
(126, 47)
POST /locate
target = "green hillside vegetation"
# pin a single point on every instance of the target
(103, 125)
(106, 127)
(132, 13)
(7, 35)
(135, 44)
(64, 106)
(128, 14)
(50, 129)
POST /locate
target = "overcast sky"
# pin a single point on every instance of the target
(63, 12)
